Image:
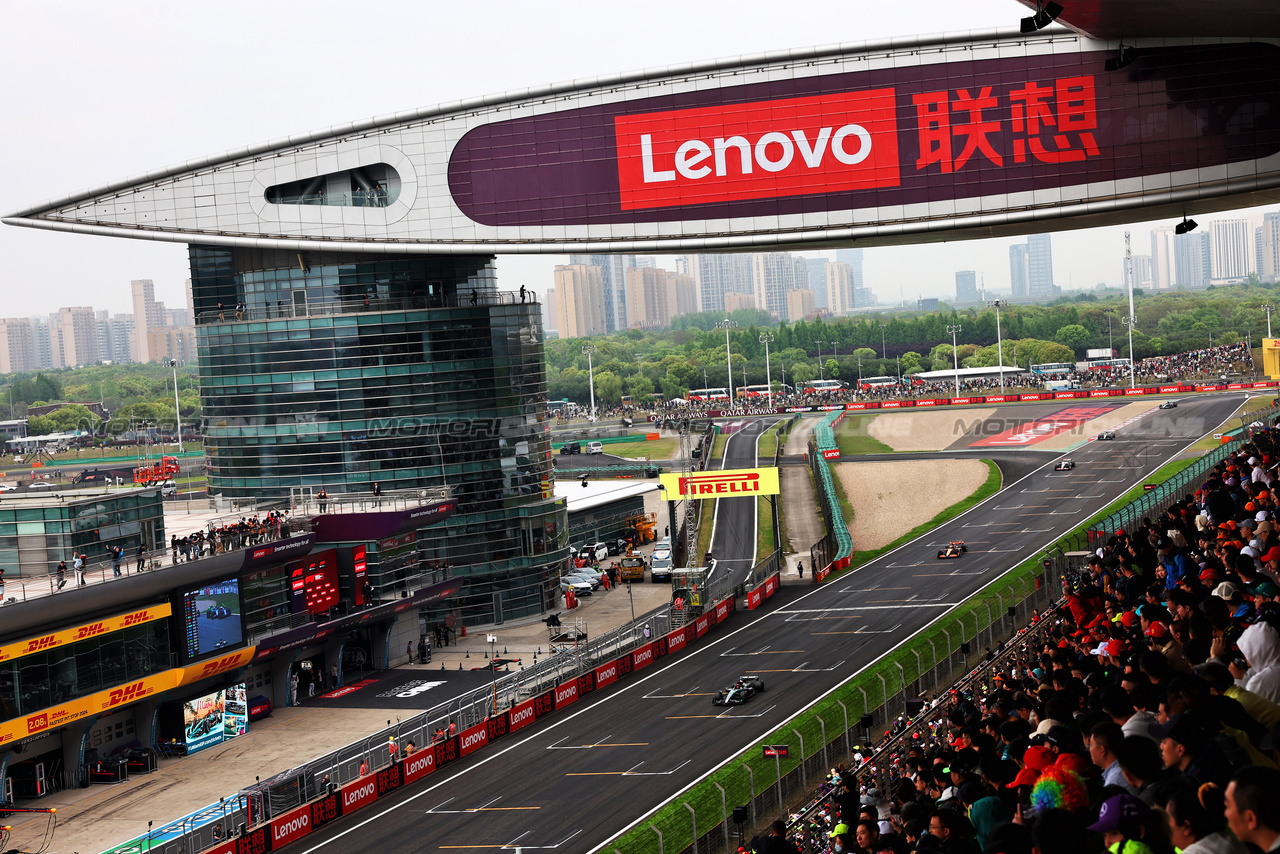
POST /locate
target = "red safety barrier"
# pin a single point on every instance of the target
(642, 657)
(702, 625)
(607, 674)
(471, 740)
(423, 762)
(290, 826)
(361, 792)
(754, 597)
(926, 403)
(723, 608)
(821, 573)
(566, 694)
(676, 641)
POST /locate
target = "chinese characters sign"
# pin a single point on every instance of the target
(862, 146)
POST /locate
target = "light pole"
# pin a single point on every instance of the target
(820, 376)
(995, 303)
(1268, 308)
(1110, 343)
(492, 640)
(955, 354)
(726, 325)
(859, 370)
(765, 339)
(588, 349)
(883, 352)
(177, 416)
(1130, 321)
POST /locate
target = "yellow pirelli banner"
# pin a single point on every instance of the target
(731, 483)
(84, 632)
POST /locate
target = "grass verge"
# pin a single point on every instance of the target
(852, 437)
(989, 488)
(1253, 404)
(658, 449)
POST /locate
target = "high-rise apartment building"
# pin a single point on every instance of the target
(816, 268)
(840, 290)
(1269, 248)
(16, 350)
(583, 306)
(41, 344)
(682, 295)
(147, 315)
(717, 275)
(852, 258)
(1142, 272)
(772, 275)
(735, 302)
(79, 329)
(1164, 263)
(172, 342)
(800, 304)
(550, 305)
(613, 279)
(647, 303)
(1191, 260)
(1018, 275)
(1231, 250)
(1040, 267)
(966, 286)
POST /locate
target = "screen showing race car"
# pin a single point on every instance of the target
(203, 724)
(235, 715)
(212, 615)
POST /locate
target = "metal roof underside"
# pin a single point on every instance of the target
(1121, 19)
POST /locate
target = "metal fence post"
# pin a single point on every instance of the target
(933, 680)
(654, 828)
(752, 800)
(845, 709)
(724, 812)
(863, 692)
(693, 816)
(777, 762)
(804, 774)
(823, 725)
(884, 689)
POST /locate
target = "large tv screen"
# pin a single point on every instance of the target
(313, 582)
(203, 724)
(212, 616)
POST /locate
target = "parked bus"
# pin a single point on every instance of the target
(702, 394)
(877, 382)
(824, 385)
(1109, 364)
(1054, 368)
(752, 391)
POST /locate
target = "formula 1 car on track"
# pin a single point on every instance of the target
(1106, 434)
(739, 692)
(1169, 404)
(955, 548)
(1065, 465)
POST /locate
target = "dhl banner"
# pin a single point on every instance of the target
(84, 632)
(731, 483)
(212, 667)
(67, 713)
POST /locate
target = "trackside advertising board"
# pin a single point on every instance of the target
(726, 483)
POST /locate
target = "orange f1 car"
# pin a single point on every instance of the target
(955, 548)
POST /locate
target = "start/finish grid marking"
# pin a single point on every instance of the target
(1044, 428)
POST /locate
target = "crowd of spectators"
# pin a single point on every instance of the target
(1142, 717)
(1208, 363)
(229, 536)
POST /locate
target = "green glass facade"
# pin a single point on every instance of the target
(332, 371)
(36, 533)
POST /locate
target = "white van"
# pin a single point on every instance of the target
(168, 488)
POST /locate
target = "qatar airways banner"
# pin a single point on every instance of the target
(917, 133)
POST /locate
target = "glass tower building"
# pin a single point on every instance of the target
(337, 371)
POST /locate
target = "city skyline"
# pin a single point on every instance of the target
(138, 125)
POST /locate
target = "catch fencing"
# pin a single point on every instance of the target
(834, 550)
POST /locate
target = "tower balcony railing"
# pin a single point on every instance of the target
(356, 305)
(375, 197)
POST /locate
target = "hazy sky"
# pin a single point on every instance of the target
(94, 92)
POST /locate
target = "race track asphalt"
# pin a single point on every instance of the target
(577, 779)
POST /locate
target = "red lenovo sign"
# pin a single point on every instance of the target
(471, 740)
(788, 147)
(419, 764)
(521, 716)
(566, 693)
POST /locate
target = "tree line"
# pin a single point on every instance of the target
(692, 353)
